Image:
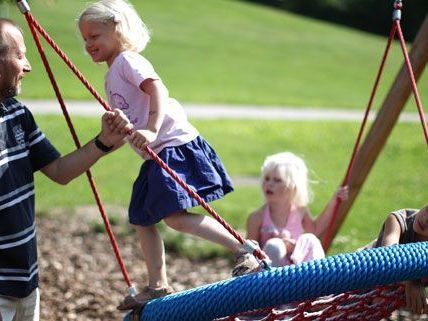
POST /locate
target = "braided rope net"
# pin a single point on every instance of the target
(354, 286)
(373, 304)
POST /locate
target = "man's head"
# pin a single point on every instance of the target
(13, 62)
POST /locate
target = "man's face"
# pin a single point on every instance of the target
(13, 64)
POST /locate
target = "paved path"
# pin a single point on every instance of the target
(89, 108)
(224, 111)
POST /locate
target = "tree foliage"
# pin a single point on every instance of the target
(368, 15)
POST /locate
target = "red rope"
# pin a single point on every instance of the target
(329, 234)
(77, 143)
(396, 28)
(374, 304)
(204, 204)
(412, 80)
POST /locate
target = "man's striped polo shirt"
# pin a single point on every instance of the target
(24, 149)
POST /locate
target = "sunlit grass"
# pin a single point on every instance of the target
(396, 181)
(222, 51)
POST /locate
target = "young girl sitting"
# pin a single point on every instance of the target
(407, 226)
(114, 33)
(284, 226)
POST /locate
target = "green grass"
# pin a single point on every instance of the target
(397, 179)
(222, 51)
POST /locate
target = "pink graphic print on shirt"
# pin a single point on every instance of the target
(120, 102)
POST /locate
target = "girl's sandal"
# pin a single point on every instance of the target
(245, 262)
(141, 299)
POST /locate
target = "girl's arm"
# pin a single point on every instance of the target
(158, 100)
(254, 223)
(319, 225)
(308, 222)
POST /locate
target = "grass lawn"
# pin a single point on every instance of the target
(251, 55)
(397, 179)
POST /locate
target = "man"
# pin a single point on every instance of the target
(23, 150)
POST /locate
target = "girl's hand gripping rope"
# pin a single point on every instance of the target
(115, 127)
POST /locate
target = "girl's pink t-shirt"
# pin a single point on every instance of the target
(293, 228)
(122, 87)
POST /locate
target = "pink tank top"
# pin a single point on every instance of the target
(293, 228)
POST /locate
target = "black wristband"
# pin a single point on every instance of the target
(101, 146)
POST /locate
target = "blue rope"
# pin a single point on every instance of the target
(332, 275)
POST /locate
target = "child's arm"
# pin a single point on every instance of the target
(318, 225)
(254, 223)
(391, 231)
(415, 297)
(415, 291)
(308, 221)
(158, 100)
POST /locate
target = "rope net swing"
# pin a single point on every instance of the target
(226, 300)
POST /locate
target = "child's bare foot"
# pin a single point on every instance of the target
(141, 299)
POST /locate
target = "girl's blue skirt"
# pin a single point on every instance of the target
(156, 194)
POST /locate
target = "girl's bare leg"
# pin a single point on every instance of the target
(203, 226)
(154, 255)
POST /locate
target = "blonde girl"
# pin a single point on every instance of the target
(283, 225)
(114, 33)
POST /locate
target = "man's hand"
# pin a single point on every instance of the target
(114, 127)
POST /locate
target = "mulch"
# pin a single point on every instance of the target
(80, 278)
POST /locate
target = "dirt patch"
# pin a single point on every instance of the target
(79, 275)
(80, 278)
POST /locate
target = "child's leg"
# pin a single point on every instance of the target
(308, 247)
(203, 226)
(277, 251)
(154, 255)
(211, 230)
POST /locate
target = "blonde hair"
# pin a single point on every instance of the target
(130, 28)
(294, 173)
